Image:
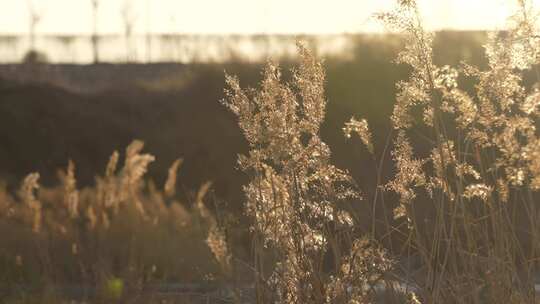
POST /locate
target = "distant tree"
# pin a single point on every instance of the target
(33, 57)
(129, 17)
(95, 37)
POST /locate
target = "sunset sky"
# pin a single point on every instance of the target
(244, 16)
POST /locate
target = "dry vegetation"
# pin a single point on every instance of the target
(475, 241)
(478, 240)
(123, 230)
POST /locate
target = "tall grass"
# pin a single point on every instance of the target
(124, 230)
(305, 246)
(480, 241)
(475, 241)
(465, 209)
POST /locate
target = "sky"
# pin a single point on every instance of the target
(243, 16)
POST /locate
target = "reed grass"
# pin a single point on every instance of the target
(124, 229)
(466, 208)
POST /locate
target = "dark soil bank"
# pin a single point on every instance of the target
(50, 114)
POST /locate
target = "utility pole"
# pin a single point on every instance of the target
(34, 19)
(128, 17)
(148, 33)
(95, 37)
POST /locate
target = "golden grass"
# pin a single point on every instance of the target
(475, 241)
(122, 229)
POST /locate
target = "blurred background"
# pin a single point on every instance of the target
(89, 31)
(82, 78)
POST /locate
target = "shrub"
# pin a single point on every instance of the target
(35, 57)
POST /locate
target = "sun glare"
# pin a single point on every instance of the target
(244, 16)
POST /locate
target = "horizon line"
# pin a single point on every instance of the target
(237, 34)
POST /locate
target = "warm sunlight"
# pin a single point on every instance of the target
(244, 16)
(269, 151)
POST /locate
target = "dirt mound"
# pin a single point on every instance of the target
(43, 126)
(92, 110)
